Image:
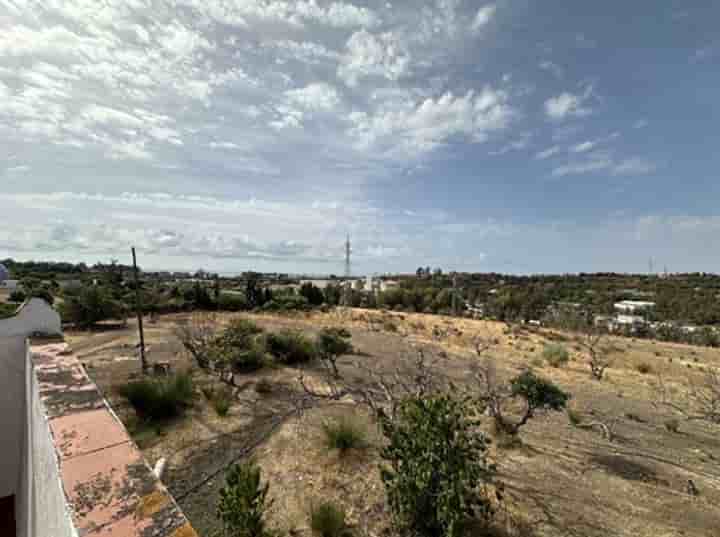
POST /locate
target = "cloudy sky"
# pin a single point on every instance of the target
(515, 136)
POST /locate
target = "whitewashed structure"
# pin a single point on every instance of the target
(34, 316)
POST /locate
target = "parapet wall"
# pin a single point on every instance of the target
(83, 474)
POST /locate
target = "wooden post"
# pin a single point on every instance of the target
(138, 308)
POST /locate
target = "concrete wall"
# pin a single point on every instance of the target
(12, 412)
(35, 316)
(45, 509)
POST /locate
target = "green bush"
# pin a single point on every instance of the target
(243, 503)
(331, 344)
(344, 434)
(290, 347)
(232, 302)
(238, 347)
(555, 355)
(17, 296)
(435, 467)
(160, 399)
(7, 310)
(286, 302)
(328, 520)
(91, 305)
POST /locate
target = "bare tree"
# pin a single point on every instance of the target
(593, 342)
(197, 335)
(526, 394)
(701, 400)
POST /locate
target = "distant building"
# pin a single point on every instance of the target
(4, 273)
(9, 284)
(633, 306)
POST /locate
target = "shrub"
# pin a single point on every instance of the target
(222, 401)
(644, 368)
(555, 355)
(17, 296)
(436, 466)
(672, 425)
(328, 520)
(159, 399)
(291, 347)
(243, 502)
(232, 302)
(331, 344)
(344, 434)
(91, 305)
(238, 347)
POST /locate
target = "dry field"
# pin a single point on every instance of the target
(562, 480)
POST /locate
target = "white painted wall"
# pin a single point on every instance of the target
(36, 316)
(10, 284)
(46, 509)
(12, 412)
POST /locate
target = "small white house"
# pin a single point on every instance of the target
(10, 285)
(633, 306)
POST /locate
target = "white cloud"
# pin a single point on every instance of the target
(370, 55)
(18, 169)
(568, 105)
(552, 67)
(315, 96)
(584, 147)
(634, 166)
(640, 124)
(547, 153)
(416, 128)
(483, 17)
(601, 161)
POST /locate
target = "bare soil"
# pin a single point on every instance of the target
(562, 480)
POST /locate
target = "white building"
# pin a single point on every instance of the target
(633, 306)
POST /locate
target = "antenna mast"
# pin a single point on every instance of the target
(348, 250)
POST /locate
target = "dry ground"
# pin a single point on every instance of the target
(563, 480)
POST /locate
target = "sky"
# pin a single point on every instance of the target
(513, 136)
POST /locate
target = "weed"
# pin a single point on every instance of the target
(644, 368)
(222, 401)
(291, 347)
(344, 434)
(555, 354)
(328, 520)
(574, 417)
(159, 399)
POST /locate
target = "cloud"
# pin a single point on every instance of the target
(18, 169)
(602, 161)
(370, 55)
(483, 17)
(553, 68)
(640, 124)
(547, 153)
(416, 128)
(568, 105)
(315, 96)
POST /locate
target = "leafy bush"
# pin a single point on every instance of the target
(644, 368)
(286, 302)
(243, 503)
(344, 434)
(160, 399)
(7, 310)
(17, 296)
(232, 302)
(239, 348)
(91, 305)
(555, 355)
(291, 347)
(333, 343)
(328, 520)
(436, 466)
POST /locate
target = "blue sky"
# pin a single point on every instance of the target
(514, 136)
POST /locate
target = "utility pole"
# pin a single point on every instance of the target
(454, 295)
(138, 308)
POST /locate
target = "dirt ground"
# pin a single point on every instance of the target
(562, 480)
